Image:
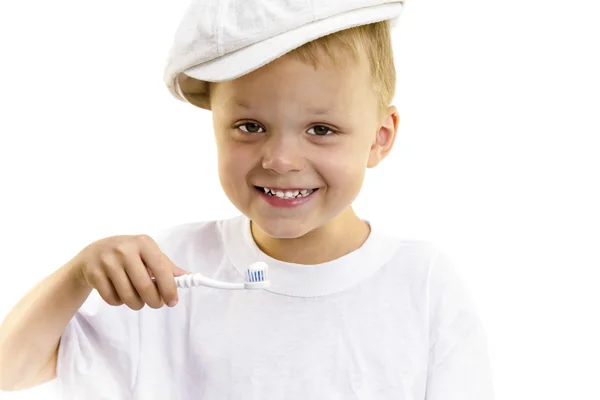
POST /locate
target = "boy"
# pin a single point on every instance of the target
(351, 314)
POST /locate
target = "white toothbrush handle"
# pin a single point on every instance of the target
(194, 280)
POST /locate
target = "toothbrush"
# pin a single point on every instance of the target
(256, 278)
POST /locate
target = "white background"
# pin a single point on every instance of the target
(497, 158)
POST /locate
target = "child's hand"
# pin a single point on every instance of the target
(120, 268)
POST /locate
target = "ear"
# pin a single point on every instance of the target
(384, 137)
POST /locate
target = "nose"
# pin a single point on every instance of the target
(282, 154)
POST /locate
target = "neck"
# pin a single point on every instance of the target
(341, 236)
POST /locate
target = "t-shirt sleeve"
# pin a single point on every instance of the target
(99, 351)
(458, 365)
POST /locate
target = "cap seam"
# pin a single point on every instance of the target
(219, 27)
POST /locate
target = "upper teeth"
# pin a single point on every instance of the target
(290, 194)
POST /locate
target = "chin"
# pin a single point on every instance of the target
(283, 229)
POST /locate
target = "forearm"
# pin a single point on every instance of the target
(30, 333)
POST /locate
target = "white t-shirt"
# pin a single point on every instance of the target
(390, 320)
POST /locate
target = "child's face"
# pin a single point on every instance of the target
(289, 126)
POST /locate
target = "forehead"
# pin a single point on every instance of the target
(287, 80)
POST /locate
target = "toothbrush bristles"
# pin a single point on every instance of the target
(256, 273)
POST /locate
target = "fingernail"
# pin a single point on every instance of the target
(172, 303)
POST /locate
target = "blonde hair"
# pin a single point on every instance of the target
(372, 41)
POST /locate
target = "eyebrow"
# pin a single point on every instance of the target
(318, 111)
(239, 103)
(312, 111)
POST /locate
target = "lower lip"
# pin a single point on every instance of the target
(285, 203)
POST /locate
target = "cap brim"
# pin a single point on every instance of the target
(250, 58)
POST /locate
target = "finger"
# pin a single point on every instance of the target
(105, 289)
(139, 277)
(124, 288)
(162, 268)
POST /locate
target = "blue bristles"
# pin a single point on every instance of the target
(256, 276)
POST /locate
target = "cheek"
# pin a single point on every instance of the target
(344, 170)
(234, 166)
(227, 166)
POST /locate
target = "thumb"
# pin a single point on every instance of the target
(179, 271)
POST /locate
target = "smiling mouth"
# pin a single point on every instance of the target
(286, 193)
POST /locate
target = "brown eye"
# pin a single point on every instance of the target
(320, 130)
(250, 127)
